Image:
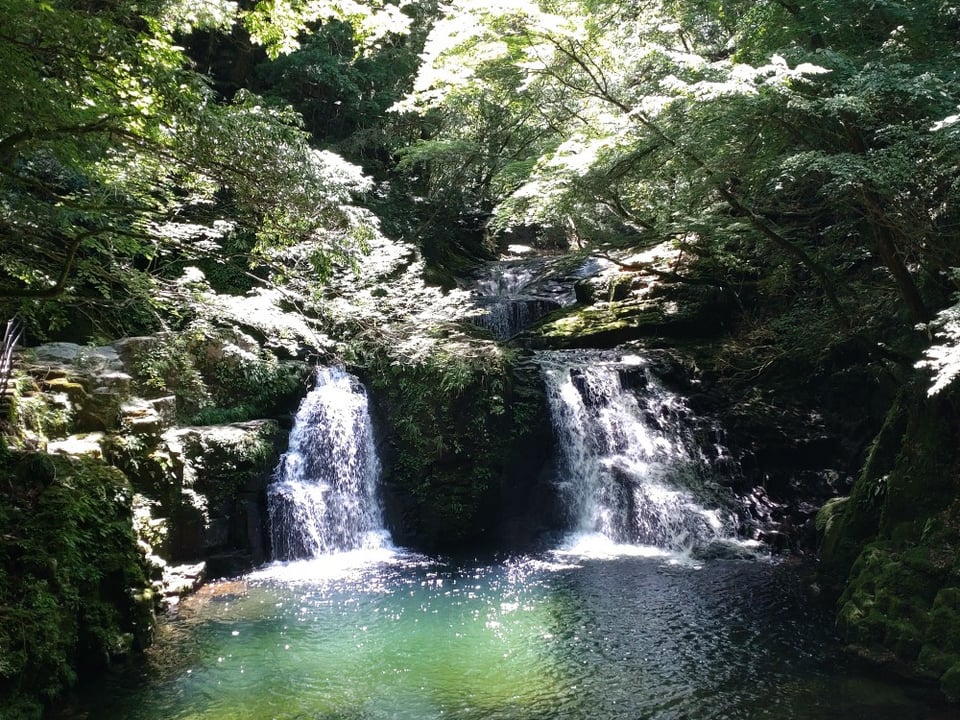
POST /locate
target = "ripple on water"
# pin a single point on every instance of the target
(570, 634)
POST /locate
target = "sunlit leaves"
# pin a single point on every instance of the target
(188, 15)
(943, 357)
(277, 24)
(107, 133)
(801, 124)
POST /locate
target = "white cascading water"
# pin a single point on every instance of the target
(629, 470)
(324, 495)
(512, 299)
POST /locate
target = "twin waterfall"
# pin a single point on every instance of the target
(629, 468)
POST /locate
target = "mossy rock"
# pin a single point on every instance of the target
(950, 683)
(837, 550)
(677, 312)
(73, 388)
(926, 476)
(903, 513)
(604, 325)
(459, 425)
(69, 568)
(208, 481)
(886, 603)
(941, 649)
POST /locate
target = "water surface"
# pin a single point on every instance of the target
(621, 633)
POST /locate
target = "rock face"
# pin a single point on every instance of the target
(892, 548)
(615, 306)
(220, 473)
(621, 319)
(201, 490)
(466, 447)
(90, 382)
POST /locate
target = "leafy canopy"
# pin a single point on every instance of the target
(749, 133)
(115, 153)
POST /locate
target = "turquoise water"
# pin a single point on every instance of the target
(623, 633)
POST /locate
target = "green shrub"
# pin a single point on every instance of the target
(69, 575)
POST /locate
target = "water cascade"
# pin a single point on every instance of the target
(324, 495)
(513, 294)
(630, 467)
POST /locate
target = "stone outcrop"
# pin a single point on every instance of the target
(467, 443)
(200, 490)
(617, 304)
(891, 549)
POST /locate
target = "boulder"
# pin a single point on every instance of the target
(218, 473)
(92, 380)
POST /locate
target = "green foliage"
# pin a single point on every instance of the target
(276, 24)
(457, 415)
(341, 96)
(262, 384)
(39, 413)
(109, 142)
(805, 136)
(943, 358)
(69, 566)
(214, 378)
(169, 366)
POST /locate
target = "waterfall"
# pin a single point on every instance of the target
(324, 495)
(514, 293)
(630, 467)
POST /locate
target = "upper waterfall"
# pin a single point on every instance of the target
(324, 495)
(515, 293)
(630, 468)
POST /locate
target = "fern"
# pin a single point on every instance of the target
(943, 358)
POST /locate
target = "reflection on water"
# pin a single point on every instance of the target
(556, 635)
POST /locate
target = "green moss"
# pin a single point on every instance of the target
(886, 603)
(924, 477)
(837, 548)
(944, 623)
(941, 649)
(676, 312)
(600, 325)
(69, 566)
(39, 413)
(457, 415)
(72, 388)
(950, 683)
(901, 595)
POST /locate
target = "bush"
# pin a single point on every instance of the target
(72, 587)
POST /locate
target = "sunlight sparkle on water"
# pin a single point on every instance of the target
(596, 546)
(349, 565)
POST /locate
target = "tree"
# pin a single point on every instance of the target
(114, 151)
(803, 129)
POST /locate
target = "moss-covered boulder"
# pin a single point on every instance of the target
(88, 383)
(894, 544)
(465, 438)
(223, 471)
(73, 591)
(623, 314)
(205, 486)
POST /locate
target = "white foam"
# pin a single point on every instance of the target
(347, 565)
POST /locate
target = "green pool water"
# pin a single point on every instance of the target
(627, 634)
